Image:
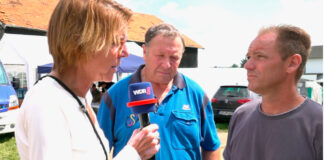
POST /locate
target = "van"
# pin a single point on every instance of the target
(9, 104)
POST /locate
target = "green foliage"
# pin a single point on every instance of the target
(243, 61)
(8, 149)
(235, 66)
(222, 126)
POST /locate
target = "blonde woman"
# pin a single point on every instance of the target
(86, 39)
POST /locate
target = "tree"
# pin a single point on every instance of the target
(243, 61)
(235, 66)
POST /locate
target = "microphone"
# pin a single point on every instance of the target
(142, 101)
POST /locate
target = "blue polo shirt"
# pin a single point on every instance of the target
(185, 118)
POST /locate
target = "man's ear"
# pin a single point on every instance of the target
(144, 49)
(294, 62)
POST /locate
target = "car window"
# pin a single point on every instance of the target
(232, 91)
(3, 76)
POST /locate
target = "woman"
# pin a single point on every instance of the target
(86, 39)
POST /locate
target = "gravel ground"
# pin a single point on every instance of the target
(223, 138)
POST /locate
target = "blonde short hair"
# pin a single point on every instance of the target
(291, 40)
(79, 28)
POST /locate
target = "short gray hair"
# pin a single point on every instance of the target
(167, 30)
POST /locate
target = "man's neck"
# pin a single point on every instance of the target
(160, 90)
(281, 101)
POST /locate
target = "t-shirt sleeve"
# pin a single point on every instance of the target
(227, 150)
(128, 152)
(210, 139)
(318, 140)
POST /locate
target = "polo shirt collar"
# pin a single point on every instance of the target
(178, 79)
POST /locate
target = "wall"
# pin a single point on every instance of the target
(27, 50)
(189, 58)
(314, 66)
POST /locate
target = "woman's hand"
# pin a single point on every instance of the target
(146, 141)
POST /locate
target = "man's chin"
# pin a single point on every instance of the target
(251, 88)
(254, 89)
(163, 81)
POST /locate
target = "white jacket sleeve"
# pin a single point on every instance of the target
(128, 152)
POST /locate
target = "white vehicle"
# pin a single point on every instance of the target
(9, 104)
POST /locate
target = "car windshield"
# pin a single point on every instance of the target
(3, 76)
(232, 91)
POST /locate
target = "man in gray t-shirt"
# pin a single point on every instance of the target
(283, 125)
(294, 135)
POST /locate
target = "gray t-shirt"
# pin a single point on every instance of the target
(294, 135)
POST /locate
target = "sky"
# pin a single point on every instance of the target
(225, 28)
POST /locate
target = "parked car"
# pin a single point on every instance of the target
(228, 98)
(9, 104)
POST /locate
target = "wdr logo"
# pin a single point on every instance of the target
(142, 91)
(148, 89)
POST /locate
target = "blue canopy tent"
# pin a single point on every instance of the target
(46, 68)
(127, 65)
(43, 69)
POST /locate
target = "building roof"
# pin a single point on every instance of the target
(317, 52)
(27, 13)
(141, 22)
(35, 14)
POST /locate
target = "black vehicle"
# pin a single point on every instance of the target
(228, 98)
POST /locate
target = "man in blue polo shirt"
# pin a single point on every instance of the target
(184, 113)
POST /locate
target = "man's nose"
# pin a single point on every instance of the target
(166, 63)
(248, 64)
